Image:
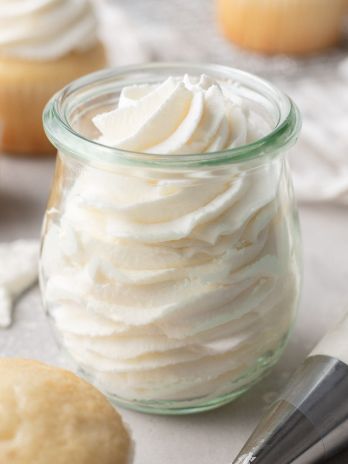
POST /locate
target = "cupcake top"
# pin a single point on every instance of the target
(46, 29)
(49, 415)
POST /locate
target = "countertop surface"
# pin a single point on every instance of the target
(213, 437)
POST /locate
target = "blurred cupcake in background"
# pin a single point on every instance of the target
(282, 26)
(44, 44)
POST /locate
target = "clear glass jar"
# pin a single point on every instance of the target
(171, 281)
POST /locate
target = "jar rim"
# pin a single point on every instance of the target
(69, 141)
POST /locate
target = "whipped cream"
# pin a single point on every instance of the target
(178, 116)
(170, 284)
(46, 29)
(18, 272)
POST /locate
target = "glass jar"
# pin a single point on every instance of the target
(171, 281)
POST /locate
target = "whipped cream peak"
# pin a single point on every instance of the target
(46, 29)
(182, 115)
(203, 82)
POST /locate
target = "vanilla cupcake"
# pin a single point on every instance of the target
(282, 26)
(49, 415)
(44, 44)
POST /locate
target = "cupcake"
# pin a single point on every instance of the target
(44, 44)
(282, 26)
(49, 415)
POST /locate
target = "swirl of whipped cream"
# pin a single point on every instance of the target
(46, 29)
(171, 284)
(178, 116)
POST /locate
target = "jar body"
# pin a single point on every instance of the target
(171, 281)
(172, 290)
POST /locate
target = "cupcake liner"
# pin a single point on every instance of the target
(25, 88)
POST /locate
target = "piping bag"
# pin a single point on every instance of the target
(309, 421)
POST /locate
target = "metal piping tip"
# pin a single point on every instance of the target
(282, 437)
(310, 420)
